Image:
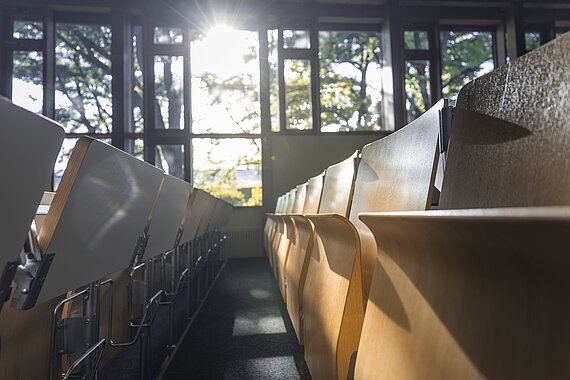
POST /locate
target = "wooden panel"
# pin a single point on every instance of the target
(168, 215)
(338, 185)
(396, 173)
(468, 294)
(296, 269)
(300, 196)
(511, 135)
(333, 308)
(206, 219)
(101, 207)
(43, 209)
(29, 145)
(282, 253)
(26, 334)
(313, 196)
(291, 201)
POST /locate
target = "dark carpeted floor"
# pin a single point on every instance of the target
(242, 332)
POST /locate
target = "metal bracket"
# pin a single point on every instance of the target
(31, 273)
(138, 252)
(29, 280)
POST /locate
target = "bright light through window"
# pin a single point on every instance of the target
(225, 82)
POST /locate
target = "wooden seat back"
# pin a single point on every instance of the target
(313, 195)
(509, 139)
(101, 207)
(300, 197)
(396, 173)
(483, 286)
(338, 185)
(197, 206)
(29, 145)
(168, 215)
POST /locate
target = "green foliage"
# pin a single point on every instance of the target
(345, 102)
(416, 40)
(531, 40)
(298, 94)
(83, 76)
(464, 54)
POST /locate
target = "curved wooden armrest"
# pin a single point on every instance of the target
(468, 294)
(333, 307)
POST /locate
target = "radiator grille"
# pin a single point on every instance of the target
(243, 243)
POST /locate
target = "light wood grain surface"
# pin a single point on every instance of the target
(282, 253)
(396, 173)
(300, 196)
(29, 145)
(313, 196)
(338, 186)
(468, 294)
(333, 308)
(510, 136)
(296, 269)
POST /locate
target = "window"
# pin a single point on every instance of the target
(229, 168)
(225, 82)
(168, 91)
(272, 41)
(225, 101)
(83, 101)
(27, 80)
(330, 79)
(416, 40)
(350, 81)
(298, 104)
(418, 88)
(465, 56)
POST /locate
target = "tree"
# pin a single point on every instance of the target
(345, 100)
(465, 56)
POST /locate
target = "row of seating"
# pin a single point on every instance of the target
(380, 285)
(119, 239)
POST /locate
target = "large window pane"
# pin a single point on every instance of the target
(417, 88)
(350, 81)
(296, 39)
(168, 86)
(32, 30)
(273, 78)
(225, 82)
(416, 40)
(465, 56)
(229, 169)
(27, 75)
(170, 158)
(83, 78)
(298, 109)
